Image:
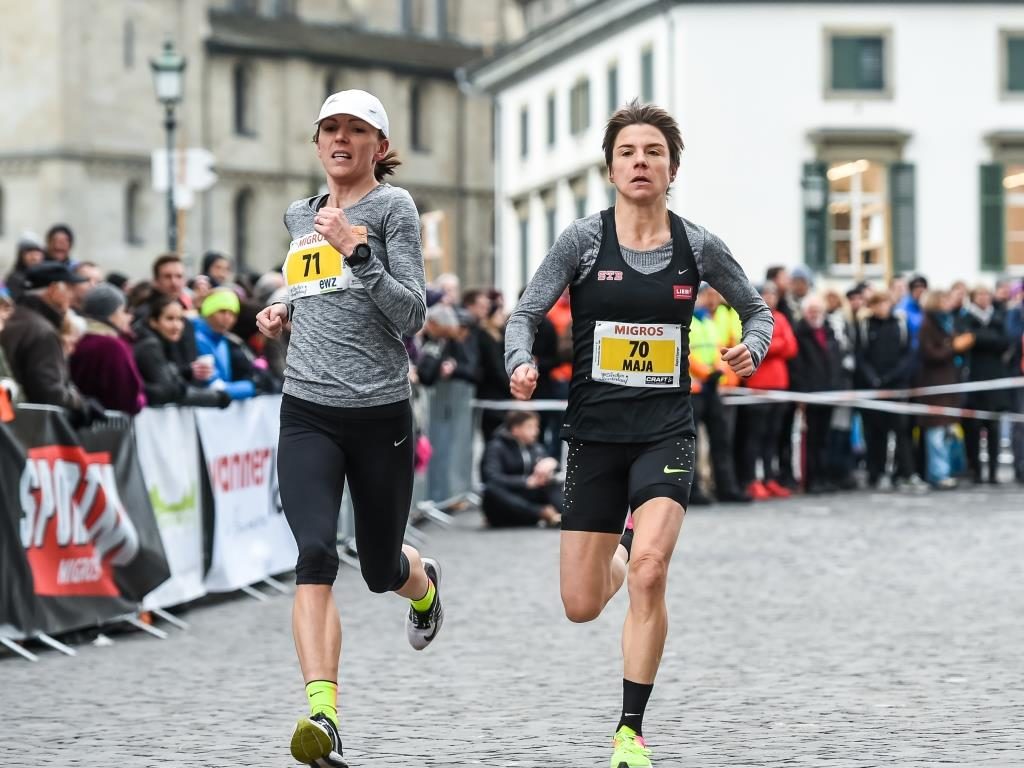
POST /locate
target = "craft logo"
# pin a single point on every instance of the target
(75, 529)
(682, 292)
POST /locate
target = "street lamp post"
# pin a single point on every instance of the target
(169, 82)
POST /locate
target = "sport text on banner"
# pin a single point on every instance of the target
(86, 526)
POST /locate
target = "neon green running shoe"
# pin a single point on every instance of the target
(630, 750)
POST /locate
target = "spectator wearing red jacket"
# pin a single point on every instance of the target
(764, 421)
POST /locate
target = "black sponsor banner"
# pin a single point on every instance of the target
(18, 615)
(87, 530)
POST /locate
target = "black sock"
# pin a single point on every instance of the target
(627, 542)
(634, 702)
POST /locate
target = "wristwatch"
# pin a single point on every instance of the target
(360, 254)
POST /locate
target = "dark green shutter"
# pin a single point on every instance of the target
(845, 63)
(613, 89)
(815, 185)
(1015, 64)
(993, 232)
(904, 233)
(551, 121)
(647, 76)
(585, 105)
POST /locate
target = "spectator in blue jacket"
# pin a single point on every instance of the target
(233, 369)
(910, 306)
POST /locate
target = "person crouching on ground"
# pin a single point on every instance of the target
(520, 488)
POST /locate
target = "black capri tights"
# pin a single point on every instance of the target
(373, 447)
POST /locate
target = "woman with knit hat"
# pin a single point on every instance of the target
(355, 282)
(232, 371)
(102, 365)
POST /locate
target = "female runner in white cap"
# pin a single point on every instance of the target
(355, 287)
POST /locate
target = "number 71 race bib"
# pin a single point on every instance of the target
(637, 354)
(314, 267)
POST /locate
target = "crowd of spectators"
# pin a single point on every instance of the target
(88, 341)
(894, 336)
(74, 337)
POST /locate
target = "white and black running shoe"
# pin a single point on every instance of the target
(316, 742)
(422, 628)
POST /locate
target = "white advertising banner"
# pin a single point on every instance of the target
(251, 539)
(168, 451)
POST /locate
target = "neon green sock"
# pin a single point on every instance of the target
(423, 604)
(323, 698)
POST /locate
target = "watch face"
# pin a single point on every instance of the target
(362, 252)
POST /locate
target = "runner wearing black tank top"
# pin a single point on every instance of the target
(633, 273)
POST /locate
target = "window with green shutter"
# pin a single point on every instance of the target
(647, 75)
(524, 132)
(579, 107)
(524, 250)
(1015, 64)
(993, 226)
(815, 198)
(613, 88)
(902, 201)
(552, 124)
(858, 63)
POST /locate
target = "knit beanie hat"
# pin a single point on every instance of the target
(102, 301)
(221, 299)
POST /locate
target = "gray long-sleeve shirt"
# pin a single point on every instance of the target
(346, 348)
(574, 253)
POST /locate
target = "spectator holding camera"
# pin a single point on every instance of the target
(165, 379)
(233, 368)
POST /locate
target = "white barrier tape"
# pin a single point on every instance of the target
(521, 405)
(792, 397)
(749, 396)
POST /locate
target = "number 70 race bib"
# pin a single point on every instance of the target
(637, 354)
(314, 267)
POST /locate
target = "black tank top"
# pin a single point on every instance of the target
(637, 328)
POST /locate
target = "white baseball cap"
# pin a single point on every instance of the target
(359, 104)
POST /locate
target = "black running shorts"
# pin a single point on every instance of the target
(321, 447)
(603, 481)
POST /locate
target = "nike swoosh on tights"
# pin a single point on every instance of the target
(673, 471)
(401, 441)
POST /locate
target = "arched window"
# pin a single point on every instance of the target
(132, 213)
(242, 214)
(242, 89)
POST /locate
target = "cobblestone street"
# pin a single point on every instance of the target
(857, 630)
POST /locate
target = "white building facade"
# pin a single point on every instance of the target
(862, 139)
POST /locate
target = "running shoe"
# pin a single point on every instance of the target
(777, 490)
(316, 742)
(629, 750)
(423, 627)
(758, 492)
